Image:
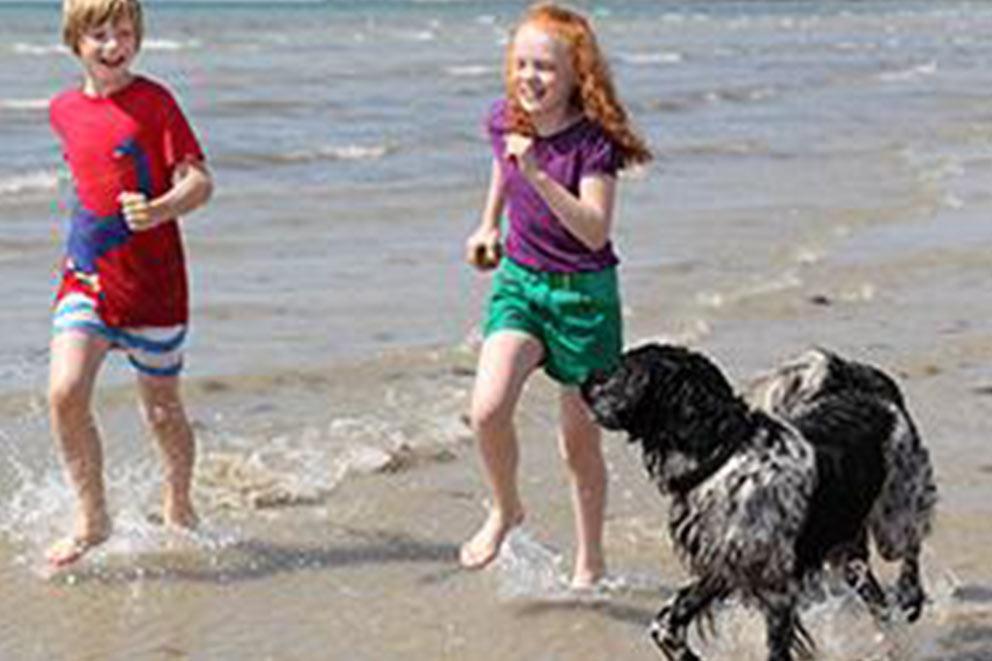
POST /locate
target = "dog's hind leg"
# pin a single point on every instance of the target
(671, 624)
(861, 579)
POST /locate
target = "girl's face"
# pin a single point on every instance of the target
(543, 79)
(107, 51)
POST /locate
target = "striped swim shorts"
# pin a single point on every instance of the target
(152, 350)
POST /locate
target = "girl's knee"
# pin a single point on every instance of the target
(489, 416)
(580, 447)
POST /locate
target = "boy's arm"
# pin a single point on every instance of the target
(192, 186)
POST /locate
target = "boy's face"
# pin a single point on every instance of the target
(107, 51)
(542, 71)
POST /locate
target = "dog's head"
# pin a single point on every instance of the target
(677, 405)
(655, 388)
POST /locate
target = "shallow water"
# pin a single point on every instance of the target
(821, 178)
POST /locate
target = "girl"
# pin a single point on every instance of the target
(559, 138)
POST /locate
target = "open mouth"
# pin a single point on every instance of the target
(531, 95)
(112, 62)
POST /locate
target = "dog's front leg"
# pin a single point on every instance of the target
(909, 591)
(671, 624)
(785, 632)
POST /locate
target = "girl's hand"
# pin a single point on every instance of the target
(137, 211)
(520, 151)
(482, 249)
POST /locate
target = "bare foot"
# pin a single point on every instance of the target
(180, 516)
(588, 570)
(586, 579)
(68, 550)
(484, 545)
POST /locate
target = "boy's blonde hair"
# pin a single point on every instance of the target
(81, 15)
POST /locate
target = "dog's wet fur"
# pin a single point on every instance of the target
(769, 488)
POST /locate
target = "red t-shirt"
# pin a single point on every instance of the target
(130, 141)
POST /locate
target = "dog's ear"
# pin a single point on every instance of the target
(638, 382)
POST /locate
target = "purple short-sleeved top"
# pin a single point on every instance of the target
(536, 238)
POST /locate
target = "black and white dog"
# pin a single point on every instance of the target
(766, 493)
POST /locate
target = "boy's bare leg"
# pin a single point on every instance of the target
(75, 361)
(165, 416)
(506, 360)
(581, 448)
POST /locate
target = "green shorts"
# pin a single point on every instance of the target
(575, 316)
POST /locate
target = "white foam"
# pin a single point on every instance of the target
(22, 48)
(23, 104)
(782, 282)
(918, 71)
(647, 59)
(528, 569)
(470, 70)
(340, 153)
(41, 180)
(169, 44)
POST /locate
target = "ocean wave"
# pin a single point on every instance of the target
(917, 71)
(42, 180)
(728, 148)
(693, 100)
(338, 153)
(774, 285)
(23, 104)
(322, 153)
(169, 44)
(470, 70)
(26, 48)
(22, 48)
(648, 59)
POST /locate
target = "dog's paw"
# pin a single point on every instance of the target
(673, 647)
(911, 599)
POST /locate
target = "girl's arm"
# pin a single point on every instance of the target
(192, 186)
(589, 216)
(482, 247)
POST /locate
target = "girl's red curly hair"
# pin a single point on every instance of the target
(595, 94)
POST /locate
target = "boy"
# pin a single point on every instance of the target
(136, 166)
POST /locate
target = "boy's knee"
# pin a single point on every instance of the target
(163, 415)
(67, 397)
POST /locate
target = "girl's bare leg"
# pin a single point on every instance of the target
(581, 448)
(506, 360)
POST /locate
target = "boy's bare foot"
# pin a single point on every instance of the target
(484, 545)
(179, 516)
(68, 550)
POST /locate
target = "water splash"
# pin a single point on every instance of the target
(528, 569)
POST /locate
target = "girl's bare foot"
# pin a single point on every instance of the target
(586, 579)
(484, 545)
(589, 568)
